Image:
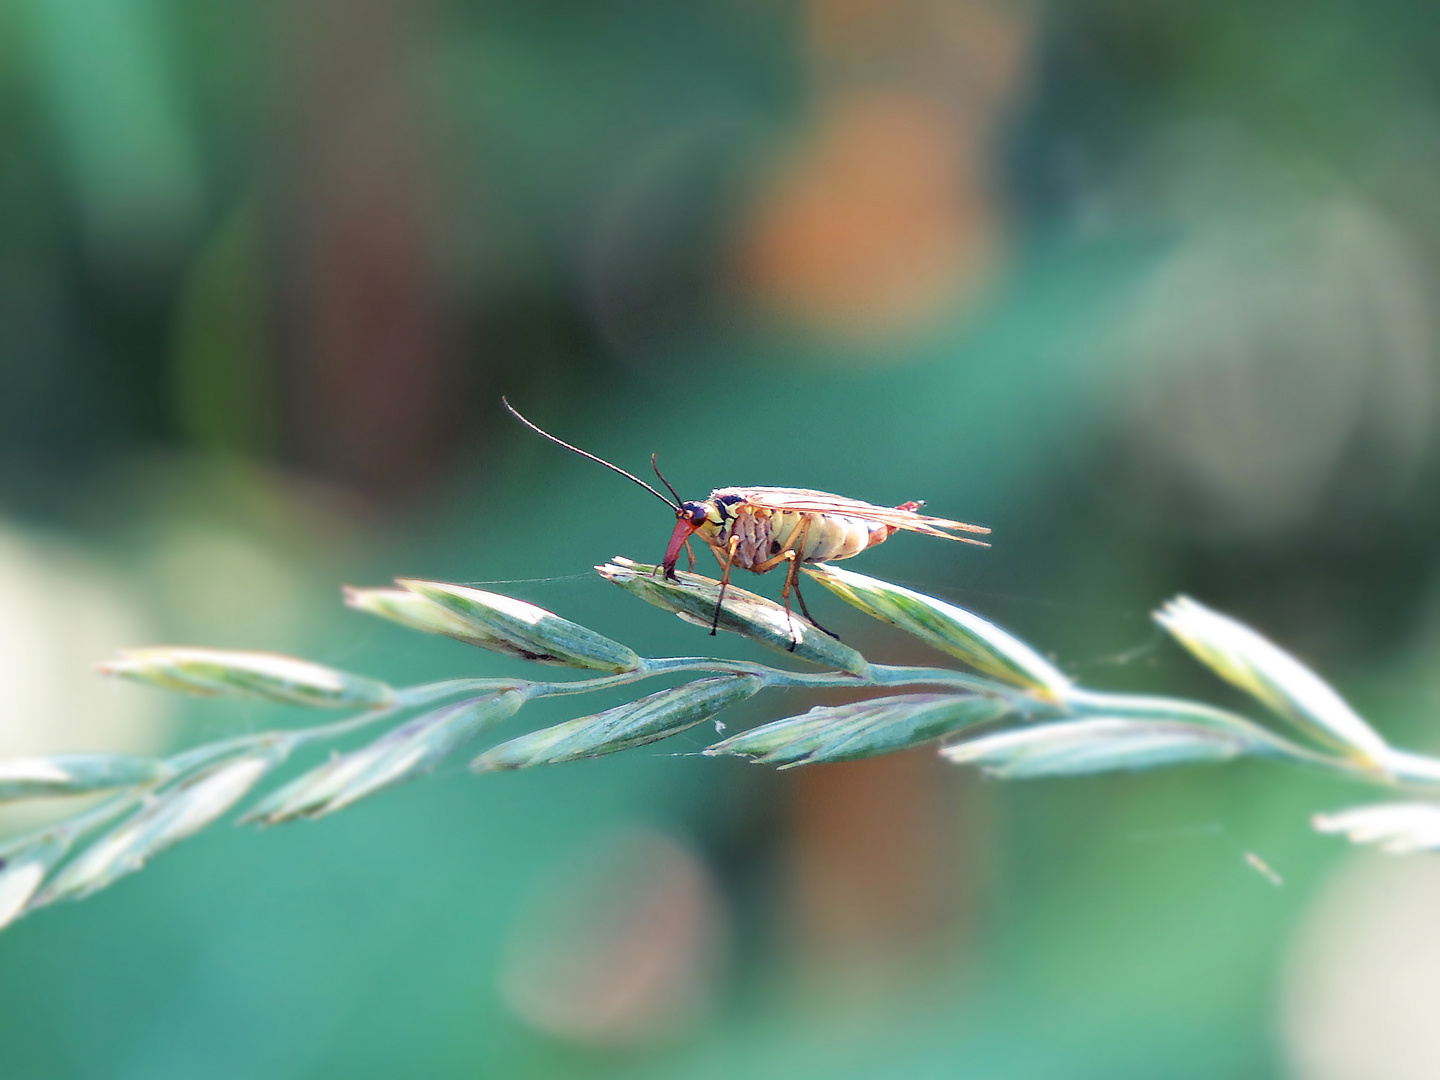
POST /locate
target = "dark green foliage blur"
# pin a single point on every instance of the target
(1148, 289)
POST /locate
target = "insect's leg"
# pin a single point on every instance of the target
(691, 553)
(724, 582)
(792, 581)
(806, 611)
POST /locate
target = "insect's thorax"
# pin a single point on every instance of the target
(764, 533)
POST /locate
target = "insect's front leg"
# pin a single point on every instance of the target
(724, 582)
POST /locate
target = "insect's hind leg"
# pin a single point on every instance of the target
(792, 581)
(806, 611)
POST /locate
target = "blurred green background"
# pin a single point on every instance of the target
(1147, 288)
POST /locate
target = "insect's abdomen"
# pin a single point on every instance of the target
(765, 533)
(834, 536)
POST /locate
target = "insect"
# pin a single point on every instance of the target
(760, 528)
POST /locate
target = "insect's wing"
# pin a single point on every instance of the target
(805, 501)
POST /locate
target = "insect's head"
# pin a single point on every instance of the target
(689, 517)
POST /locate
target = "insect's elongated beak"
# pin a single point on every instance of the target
(683, 531)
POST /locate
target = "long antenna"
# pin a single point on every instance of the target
(614, 468)
(655, 464)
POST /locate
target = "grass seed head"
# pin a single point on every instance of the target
(655, 717)
(23, 872)
(517, 628)
(75, 774)
(1396, 828)
(225, 672)
(413, 611)
(981, 644)
(1274, 677)
(861, 729)
(403, 753)
(693, 598)
(1095, 745)
(169, 817)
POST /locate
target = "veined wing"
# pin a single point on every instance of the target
(806, 501)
